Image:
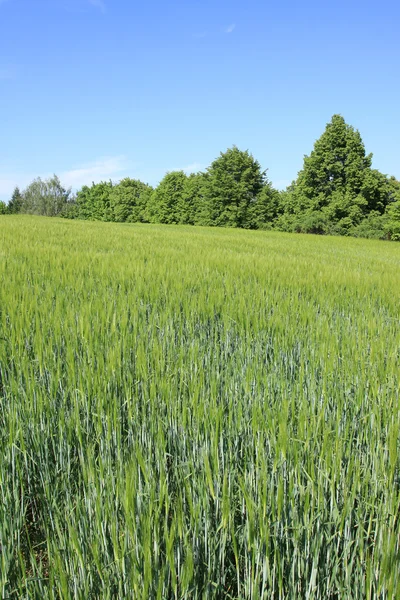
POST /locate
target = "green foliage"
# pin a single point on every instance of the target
(392, 224)
(129, 200)
(264, 209)
(374, 226)
(337, 193)
(44, 197)
(93, 203)
(169, 202)
(3, 208)
(234, 181)
(336, 164)
(194, 194)
(70, 210)
(337, 188)
(197, 414)
(15, 204)
(377, 191)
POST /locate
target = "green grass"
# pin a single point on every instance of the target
(197, 413)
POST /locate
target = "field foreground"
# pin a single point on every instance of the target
(197, 413)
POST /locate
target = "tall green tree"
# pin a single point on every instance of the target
(15, 204)
(129, 200)
(3, 208)
(337, 164)
(169, 202)
(337, 187)
(234, 181)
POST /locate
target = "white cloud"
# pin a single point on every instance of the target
(104, 169)
(100, 4)
(230, 28)
(99, 170)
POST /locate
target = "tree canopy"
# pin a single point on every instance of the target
(336, 192)
(93, 203)
(234, 181)
(129, 200)
(168, 202)
(337, 187)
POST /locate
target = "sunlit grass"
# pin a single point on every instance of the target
(197, 413)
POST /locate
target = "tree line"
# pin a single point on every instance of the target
(337, 192)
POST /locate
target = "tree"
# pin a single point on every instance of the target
(234, 181)
(15, 204)
(392, 224)
(264, 210)
(45, 197)
(336, 164)
(168, 202)
(93, 203)
(195, 202)
(392, 213)
(337, 187)
(3, 208)
(129, 199)
(70, 210)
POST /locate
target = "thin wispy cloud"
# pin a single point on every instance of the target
(200, 35)
(230, 28)
(100, 4)
(103, 169)
(99, 170)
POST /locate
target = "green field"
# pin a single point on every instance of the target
(197, 413)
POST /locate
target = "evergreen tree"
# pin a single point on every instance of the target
(3, 208)
(15, 204)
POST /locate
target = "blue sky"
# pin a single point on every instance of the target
(100, 89)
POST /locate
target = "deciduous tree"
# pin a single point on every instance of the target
(234, 181)
(129, 199)
(45, 197)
